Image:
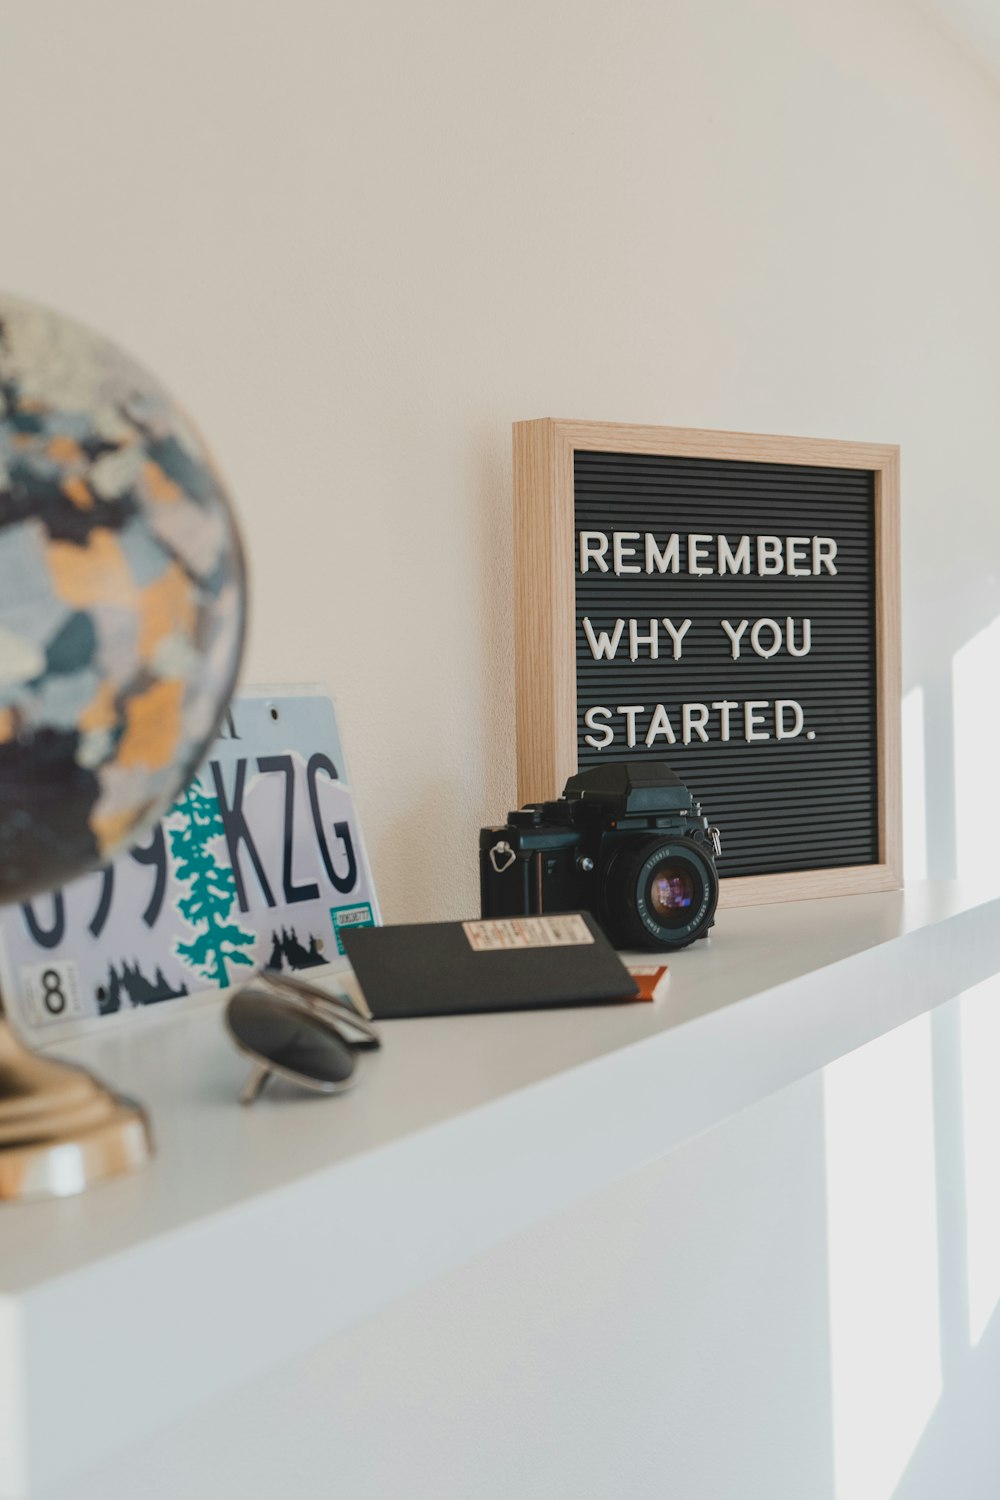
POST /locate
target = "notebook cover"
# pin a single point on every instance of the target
(520, 963)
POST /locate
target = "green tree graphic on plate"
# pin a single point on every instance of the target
(211, 888)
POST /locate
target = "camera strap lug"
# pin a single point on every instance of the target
(502, 856)
(716, 838)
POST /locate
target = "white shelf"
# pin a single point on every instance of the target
(258, 1234)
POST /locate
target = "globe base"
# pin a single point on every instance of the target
(60, 1129)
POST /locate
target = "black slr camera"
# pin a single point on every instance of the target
(626, 841)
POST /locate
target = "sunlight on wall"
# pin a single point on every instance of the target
(882, 1227)
(980, 1023)
(914, 787)
(975, 671)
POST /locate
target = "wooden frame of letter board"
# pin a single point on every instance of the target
(546, 624)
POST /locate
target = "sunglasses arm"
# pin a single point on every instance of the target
(337, 1008)
(255, 1084)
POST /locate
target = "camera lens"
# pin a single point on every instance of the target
(658, 893)
(671, 892)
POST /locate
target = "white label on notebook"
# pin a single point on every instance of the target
(527, 932)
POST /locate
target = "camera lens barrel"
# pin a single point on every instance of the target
(658, 893)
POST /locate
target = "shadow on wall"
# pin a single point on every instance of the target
(912, 1132)
(478, 751)
(951, 782)
(491, 481)
(911, 1125)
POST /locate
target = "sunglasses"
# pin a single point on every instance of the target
(292, 1029)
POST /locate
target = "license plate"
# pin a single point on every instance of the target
(260, 862)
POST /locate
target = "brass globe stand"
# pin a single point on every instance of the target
(60, 1129)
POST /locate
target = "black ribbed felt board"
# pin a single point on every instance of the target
(795, 804)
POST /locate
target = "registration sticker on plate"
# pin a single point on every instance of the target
(350, 916)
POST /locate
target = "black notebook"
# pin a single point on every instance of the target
(509, 963)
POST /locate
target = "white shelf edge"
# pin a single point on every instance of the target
(223, 1299)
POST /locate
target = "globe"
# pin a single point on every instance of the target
(122, 605)
(122, 596)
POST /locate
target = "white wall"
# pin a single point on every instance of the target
(360, 239)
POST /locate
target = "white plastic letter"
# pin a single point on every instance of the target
(630, 710)
(735, 636)
(806, 646)
(593, 547)
(621, 541)
(660, 724)
(824, 552)
(769, 556)
(604, 730)
(669, 558)
(697, 555)
(797, 556)
(734, 562)
(724, 708)
(652, 640)
(753, 719)
(694, 717)
(677, 634)
(600, 642)
(774, 628)
(781, 733)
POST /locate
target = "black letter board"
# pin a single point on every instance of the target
(729, 604)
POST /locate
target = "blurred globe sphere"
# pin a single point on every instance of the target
(122, 599)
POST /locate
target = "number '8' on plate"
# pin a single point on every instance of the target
(50, 992)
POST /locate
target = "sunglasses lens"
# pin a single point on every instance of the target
(290, 1038)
